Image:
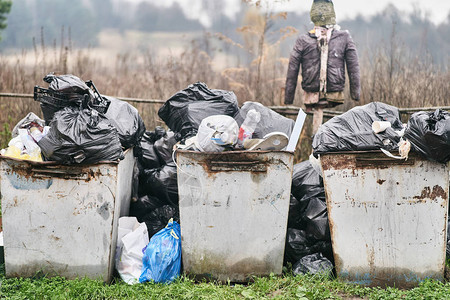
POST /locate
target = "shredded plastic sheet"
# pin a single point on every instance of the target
(403, 148)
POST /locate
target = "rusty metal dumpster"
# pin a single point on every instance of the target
(388, 217)
(233, 212)
(62, 220)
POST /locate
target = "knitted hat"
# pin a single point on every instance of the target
(322, 13)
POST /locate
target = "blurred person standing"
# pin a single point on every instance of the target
(322, 54)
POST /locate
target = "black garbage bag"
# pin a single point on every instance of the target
(448, 238)
(429, 134)
(310, 213)
(299, 244)
(316, 219)
(352, 131)
(185, 110)
(158, 218)
(162, 183)
(164, 147)
(306, 183)
(146, 152)
(295, 217)
(68, 84)
(144, 206)
(81, 136)
(68, 91)
(313, 264)
(63, 91)
(270, 121)
(135, 182)
(127, 120)
(448, 249)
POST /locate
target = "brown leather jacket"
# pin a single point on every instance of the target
(306, 53)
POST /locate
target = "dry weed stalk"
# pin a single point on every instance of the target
(388, 74)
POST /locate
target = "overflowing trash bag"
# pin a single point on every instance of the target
(69, 84)
(81, 136)
(313, 264)
(352, 131)
(316, 219)
(68, 91)
(299, 244)
(310, 213)
(295, 218)
(127, 120)
(217, 133)
(158, 218)
(162, 256)
(161, 183)
(429, 134)
(144, 206)
(146, 152)
(25, 136)
(307, 183)
(185, 110)
(158, 187)
(31, 120)
(164, 147)
(308, 229)
(270, 121)
(448, 238)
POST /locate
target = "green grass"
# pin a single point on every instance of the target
(287, 286)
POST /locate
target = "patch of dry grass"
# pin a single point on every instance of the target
(388, 76)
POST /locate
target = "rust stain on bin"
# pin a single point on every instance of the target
(427, 193)
(237, 161)
(34, 171)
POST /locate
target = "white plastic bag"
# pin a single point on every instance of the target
(132, 238)
(216, 133)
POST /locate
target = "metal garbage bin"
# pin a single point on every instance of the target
(388, 217)
(233, 212)
(62, 220)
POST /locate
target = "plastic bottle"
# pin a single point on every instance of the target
(249, 126)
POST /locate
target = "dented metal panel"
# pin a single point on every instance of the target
(388, 218)
(233, 212)
(62, 220)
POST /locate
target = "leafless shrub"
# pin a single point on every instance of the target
(388, 74)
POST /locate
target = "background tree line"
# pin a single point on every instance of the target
(31, 21)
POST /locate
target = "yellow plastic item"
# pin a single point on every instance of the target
(14, 152)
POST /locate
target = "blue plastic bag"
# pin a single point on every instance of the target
(162, 256)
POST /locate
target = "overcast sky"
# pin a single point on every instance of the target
(438, 9)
